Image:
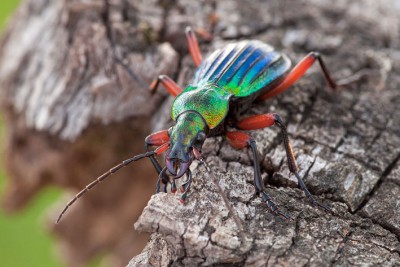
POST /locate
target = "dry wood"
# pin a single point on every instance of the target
(60, 83)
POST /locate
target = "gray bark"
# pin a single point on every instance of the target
(346, 144)
(72, 111)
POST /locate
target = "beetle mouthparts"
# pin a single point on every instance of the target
(174, 164)
(171, 166)
(183, 166)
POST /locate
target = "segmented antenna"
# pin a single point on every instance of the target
(131, 73)
(102, 178)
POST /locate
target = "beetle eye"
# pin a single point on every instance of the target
(170, 131)
(201, 136)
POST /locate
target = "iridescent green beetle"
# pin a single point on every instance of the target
(226, 83)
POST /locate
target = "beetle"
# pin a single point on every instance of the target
(225, 85)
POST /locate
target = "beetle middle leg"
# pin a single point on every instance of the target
(241, 140)
(269, 119)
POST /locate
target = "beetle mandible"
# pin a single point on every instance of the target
(225, 84)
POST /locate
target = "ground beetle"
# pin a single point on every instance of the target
(225, 84)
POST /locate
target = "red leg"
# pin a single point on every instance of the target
(168, 83)
(241, 140)
(238, 140)
(157, 138)
(297, 72)
(193, 46)
(269, 119)
(160, 139)
(257, 122)
(159, 150)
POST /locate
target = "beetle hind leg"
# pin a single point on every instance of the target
(300, 69)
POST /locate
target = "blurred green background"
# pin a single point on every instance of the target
(6, 9)
(23, 239)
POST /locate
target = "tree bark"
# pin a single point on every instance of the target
(346, 144)
(71, 109)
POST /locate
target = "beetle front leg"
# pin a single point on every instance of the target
(241, 140)
(269, 119)
(186, 186)
(158, 139)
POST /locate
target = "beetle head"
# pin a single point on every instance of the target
(188, 134)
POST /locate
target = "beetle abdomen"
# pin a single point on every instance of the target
(242, 68)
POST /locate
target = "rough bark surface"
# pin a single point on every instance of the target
(73, 111)
(346, 143)
(61, 83)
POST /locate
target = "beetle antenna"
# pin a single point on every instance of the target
(224, 197)
(102, 178)
(125, 66)
(131, 73)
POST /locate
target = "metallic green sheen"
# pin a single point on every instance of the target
(186, 129)
(210, 101)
